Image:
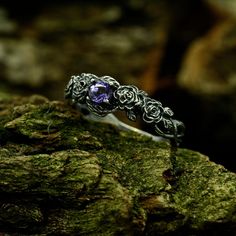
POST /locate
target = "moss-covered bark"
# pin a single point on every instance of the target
(63, 175)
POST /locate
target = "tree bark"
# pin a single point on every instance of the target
(63, 175)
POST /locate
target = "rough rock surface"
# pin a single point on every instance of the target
(63, 175)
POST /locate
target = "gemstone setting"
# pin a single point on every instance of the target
(100, 92)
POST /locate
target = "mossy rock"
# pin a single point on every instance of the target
(63, 175)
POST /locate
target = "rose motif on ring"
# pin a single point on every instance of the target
(80, 89)
(152, 111)
(69, 88)
(127, 96)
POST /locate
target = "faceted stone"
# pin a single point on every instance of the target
(100, 92)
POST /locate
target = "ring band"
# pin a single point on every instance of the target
(104, 95)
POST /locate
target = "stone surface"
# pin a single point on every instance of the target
(63, 175)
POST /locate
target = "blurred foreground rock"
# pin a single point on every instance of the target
(63, 175)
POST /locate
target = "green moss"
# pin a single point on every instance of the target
(21, 216)
(75, 177)
(209, 196)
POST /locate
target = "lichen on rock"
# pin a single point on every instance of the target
(63, 175)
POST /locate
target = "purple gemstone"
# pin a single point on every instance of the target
(100, 92)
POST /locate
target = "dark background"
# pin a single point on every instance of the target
(182, 53)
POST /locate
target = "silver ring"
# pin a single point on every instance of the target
(104, 95)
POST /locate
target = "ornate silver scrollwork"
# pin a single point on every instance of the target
(104, 95)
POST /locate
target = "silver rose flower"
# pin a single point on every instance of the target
(69, 87)
(77, 87)
(153, 111)
(127, 96)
